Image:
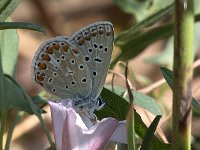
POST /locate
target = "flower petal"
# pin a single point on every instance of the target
(72, 133)
(120, 134)
(76, 136)
(72, 130)
(58, 115)
(98, 136)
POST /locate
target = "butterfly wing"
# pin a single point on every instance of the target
(96, 43)
(61, 69)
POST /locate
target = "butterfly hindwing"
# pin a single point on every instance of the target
(96, 43)
(57, 67)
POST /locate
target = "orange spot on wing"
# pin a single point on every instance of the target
(81, 41)
(50, 50)
(65, 47)
(93, 32)
(56, 47)
(42, 66)
(75, 51)
(46, 57)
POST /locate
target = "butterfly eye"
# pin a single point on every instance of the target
(100, 102)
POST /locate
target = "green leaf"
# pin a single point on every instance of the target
(166, 56)
(168, 75)
(136, 44)
(142, 9)
(117, 107)
(136, 29)
(35, 110)
(21, 25)
(6, 8)
(39, 101)
(141, 130)
(9, 50)
(13, 97)
(147, 103)
(136, 41)
(141, 100)
(150, 133)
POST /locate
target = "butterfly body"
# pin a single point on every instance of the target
(76, 67)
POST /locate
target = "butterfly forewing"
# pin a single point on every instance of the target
(57, 67)
(96, 43)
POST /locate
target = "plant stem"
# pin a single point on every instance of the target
(131, 128)
(3, 112)
(37, 113)
(130, 117)
(183, 59)
(11, 130)
(2, 128)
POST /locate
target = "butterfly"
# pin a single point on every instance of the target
(76, 67)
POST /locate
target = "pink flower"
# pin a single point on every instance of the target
(71, 133)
